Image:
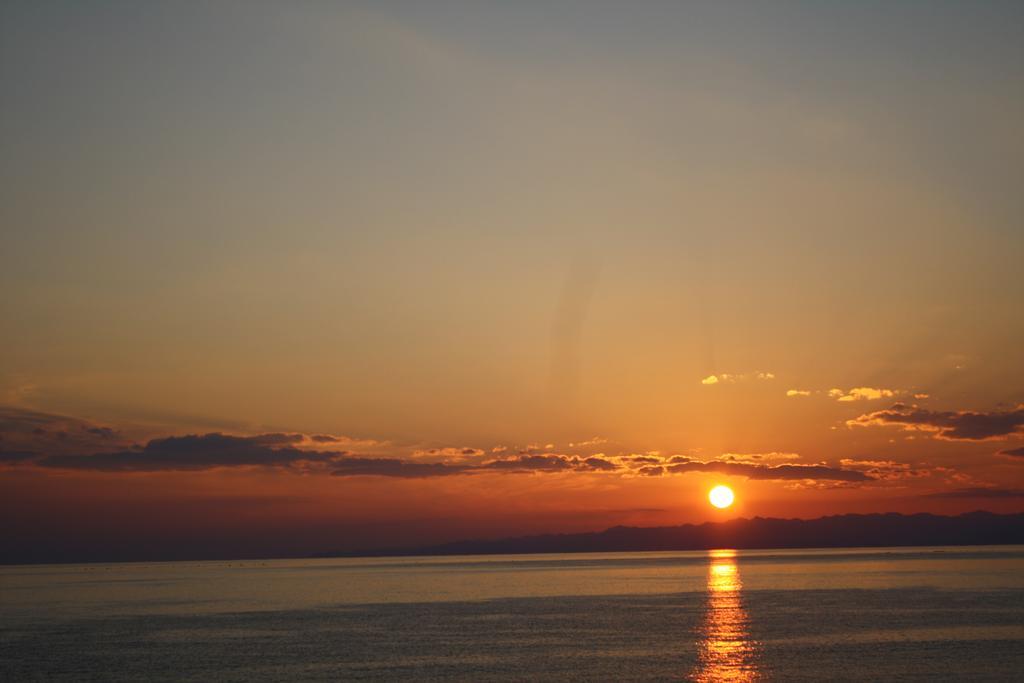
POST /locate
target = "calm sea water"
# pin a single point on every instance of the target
(857, 614)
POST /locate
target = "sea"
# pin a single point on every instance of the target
(864, 614)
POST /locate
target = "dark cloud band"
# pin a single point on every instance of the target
(787, 472)
(40, 443)
(952, 425)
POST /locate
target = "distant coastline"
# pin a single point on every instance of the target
(882, 530)
(837, 531)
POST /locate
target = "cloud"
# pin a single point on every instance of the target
(760, 457)
(17, 456)
(461, 454)
(530, 463)
(275, 439)
(978, 492)
(861, 394)
(520, 464)
(278, 450)
(393, 467)
(728, 378)
(550, 463)
(24, 430)
(195, 452)
(39, 440)
(599, 464)
(325, 438)
(335, 442)
(854, 394)
(768, 472)
(298, 452)
(594, 441)
(885, 470)
(1013, 452)
(211, 451)
(644, 459)
(948, 425)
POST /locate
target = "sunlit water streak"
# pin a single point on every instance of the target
(725, 650)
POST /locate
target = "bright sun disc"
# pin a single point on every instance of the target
(721, 496)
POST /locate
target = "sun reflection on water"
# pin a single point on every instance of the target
(725, 650)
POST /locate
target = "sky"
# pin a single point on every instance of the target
(282, 278)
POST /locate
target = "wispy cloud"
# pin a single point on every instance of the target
(730, 378)
(448, 454)
(550, 463)
(773, 456)
(37, 432)
(861, 394)
(886, 470)
(593, 441)
(853, 394)
(766, 472)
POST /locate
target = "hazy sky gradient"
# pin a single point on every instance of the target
(495, 225)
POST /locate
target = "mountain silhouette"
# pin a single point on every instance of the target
(838, 531)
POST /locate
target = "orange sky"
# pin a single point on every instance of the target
(289, 278)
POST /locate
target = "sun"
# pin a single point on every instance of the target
(721, 496)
